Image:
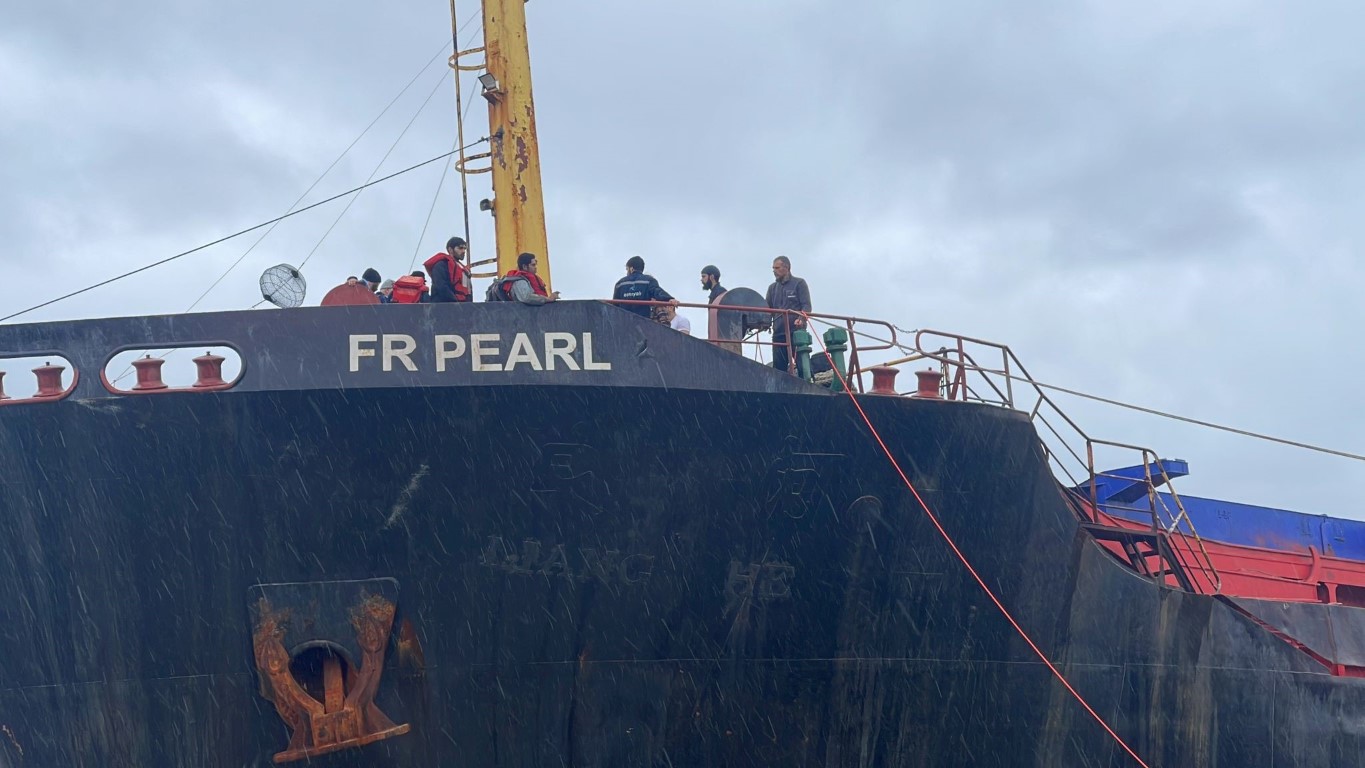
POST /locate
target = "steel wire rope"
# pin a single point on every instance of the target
(1178, 417)
(855, 332)
(377, 166)
(1201, 423)
(417, 249)
(129, 369)
(888, 342)
(445, 170)
(947, 538)
(459, 125)
(460, 117)
(319, 179)
(239, 233)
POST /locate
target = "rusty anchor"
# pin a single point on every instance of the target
(346, 716)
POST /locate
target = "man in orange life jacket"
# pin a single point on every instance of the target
(522, 284)
(449, 277)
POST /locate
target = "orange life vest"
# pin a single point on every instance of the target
(408, 289)
(457, 272)
(537, 285)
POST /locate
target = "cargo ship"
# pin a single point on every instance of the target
(490, 534)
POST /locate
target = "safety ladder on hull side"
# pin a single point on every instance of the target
(1167, 550)
(1149, 553)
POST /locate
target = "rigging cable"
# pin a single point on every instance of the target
(221, 277)
(455, 44)
(319, 179)
(239, 233)
(459, 127)
(377, 166)
(129, 369)
(445, 169)
(1162, 414)
(1209, 424)
(943, 532)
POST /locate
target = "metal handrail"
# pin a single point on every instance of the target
(996, 382)
(795, 320)
(1156, 506)
(959, 368)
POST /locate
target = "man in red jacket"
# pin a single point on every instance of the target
(449, 276)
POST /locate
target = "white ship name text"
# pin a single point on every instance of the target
(480, 352)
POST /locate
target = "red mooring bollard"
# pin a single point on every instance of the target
(148, 374)
(210, 370)
(49, 380)
(883, 380)
(929, 381)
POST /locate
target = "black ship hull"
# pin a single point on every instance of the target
(634, 570)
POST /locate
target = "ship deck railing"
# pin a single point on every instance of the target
(978, 370)
(862, 338)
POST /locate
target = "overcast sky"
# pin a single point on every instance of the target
(1158, 201)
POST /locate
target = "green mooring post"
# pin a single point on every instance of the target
(836, 343)
(801, 345)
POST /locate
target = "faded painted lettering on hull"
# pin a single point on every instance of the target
(609, 566)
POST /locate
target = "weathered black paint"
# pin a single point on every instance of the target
(737, 579)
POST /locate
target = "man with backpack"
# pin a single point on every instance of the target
(411, 289)
(522, 284)
(449, 276)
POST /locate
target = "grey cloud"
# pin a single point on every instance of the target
(1133, 140)
(1158, 201)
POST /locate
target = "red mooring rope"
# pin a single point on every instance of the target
(967, 564)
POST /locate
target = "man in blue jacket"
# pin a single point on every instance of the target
(637, 286)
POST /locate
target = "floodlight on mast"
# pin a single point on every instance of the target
(491, 90)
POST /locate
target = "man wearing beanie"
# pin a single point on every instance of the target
(710, 280)
(386, 292)
(371, 278)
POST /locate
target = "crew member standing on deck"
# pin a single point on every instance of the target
(637, 286)
(790, 293)
(372, 279)
(449, 277)
(710, 281)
